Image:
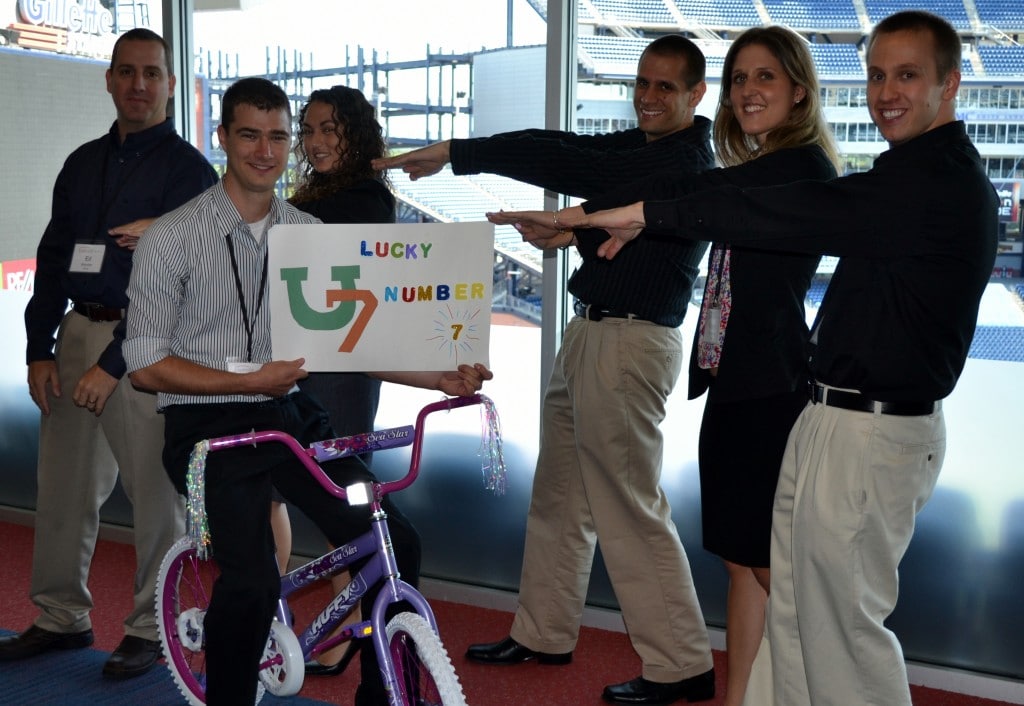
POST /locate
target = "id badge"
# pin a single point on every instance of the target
(237, 365)
(712, 325)
(87, 258)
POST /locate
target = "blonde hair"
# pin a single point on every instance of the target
(806, 123)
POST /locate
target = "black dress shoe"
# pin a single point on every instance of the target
(319, 669)
(35, 641)
(508, 651)
(134, 656)
(642, 691)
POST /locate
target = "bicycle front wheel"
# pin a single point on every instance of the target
(183, 591)
(425, 673)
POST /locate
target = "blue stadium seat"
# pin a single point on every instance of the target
(814, 15)
(1002, 60)
(723, 14)
(837, 59)
(637, 12)
(953, 10)
(1007, 15)
(998, 343)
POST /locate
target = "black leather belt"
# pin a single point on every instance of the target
(590, 312)
(831, 397)
(98, 312)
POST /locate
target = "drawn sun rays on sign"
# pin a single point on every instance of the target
(456, 330)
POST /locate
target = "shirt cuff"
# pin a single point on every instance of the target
(663, 217)
(460, 157)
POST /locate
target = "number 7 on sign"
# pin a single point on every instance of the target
(335, 296)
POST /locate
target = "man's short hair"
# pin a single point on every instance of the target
(945, 38)
(141, 34)
(257, 92)
(694, 64)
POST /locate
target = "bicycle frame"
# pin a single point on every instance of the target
(374, 545)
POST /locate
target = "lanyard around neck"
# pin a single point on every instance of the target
(249, 325)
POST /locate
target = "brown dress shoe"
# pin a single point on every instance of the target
(134, 656)
(35, 641)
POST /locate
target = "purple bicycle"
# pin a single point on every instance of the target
(415, 666)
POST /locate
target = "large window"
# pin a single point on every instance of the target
(436, 69)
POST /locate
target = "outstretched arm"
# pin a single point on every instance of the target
(623, 224)
(418, 163)
(465, 381)
(541, 229)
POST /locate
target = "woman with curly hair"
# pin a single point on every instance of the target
(339, 136)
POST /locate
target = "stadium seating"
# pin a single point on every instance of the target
(814, 15)
(837, 60)
(733, 14)
(1002, 61)
(636, 12)
(816, 293)
(998, 343)
(1007, 15)
(952, 10)
(467, 198)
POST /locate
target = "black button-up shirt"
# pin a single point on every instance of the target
(105, 184)
(917, 240)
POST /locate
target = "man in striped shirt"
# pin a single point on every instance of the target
(199, 335)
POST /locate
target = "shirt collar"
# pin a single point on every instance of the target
(143, 140)
(932, 142)
(228, 219)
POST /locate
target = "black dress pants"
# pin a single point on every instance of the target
(238, 493)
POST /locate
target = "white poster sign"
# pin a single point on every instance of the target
(381, 296)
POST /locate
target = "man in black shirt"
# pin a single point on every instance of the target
(94, 426)
(917, 240)
(601, 446)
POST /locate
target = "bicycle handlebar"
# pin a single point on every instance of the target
(349, 445)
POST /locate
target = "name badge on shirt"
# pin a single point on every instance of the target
(237, 365)
(87, 258)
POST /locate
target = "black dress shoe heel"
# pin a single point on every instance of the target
(508, 651)
(35, 640)
(651, 693)
(319, 669)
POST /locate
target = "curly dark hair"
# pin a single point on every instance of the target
(358, 129)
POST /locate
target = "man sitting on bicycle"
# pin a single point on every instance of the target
(199, 335)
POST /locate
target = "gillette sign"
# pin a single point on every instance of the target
(84, 16)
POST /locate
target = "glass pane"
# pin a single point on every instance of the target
(53, 60)
(433, 71)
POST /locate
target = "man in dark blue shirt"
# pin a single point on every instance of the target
(94, 424)
(916, 237)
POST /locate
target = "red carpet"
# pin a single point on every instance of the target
(601, 657)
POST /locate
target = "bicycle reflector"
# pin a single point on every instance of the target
(358, 494)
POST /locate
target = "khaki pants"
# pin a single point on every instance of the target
(79, 459)
(597, 481)
(850, 488)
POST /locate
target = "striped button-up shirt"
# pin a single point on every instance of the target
(183, 293)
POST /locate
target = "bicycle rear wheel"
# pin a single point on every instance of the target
(183, 591)
(425, 672)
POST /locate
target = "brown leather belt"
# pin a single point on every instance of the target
(831, 397)
(97, 312)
